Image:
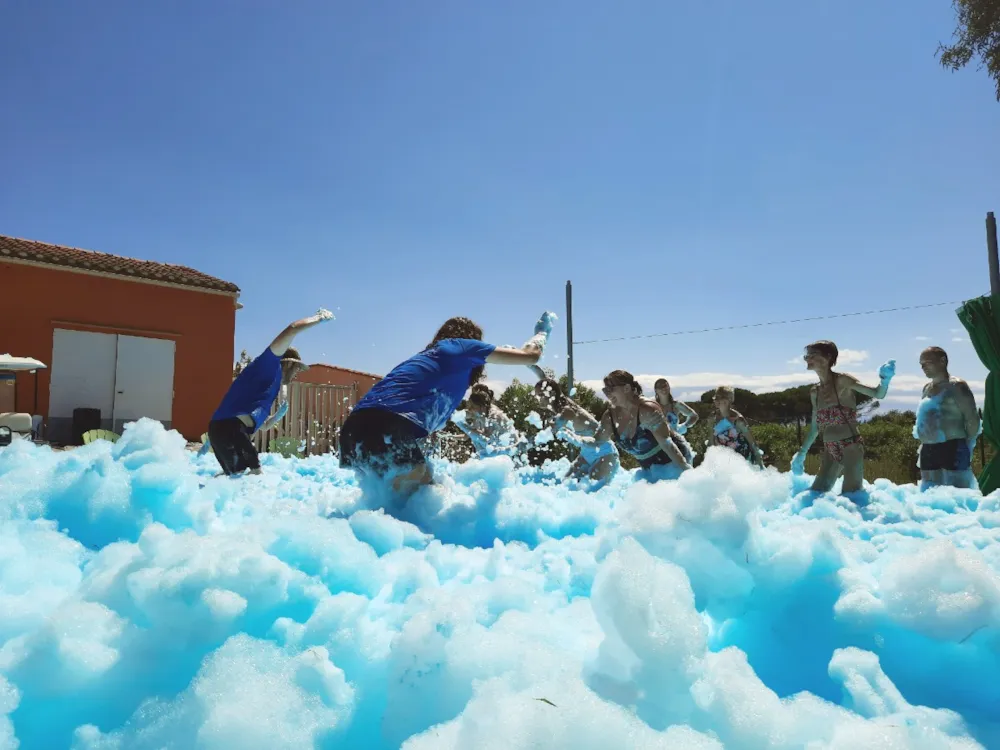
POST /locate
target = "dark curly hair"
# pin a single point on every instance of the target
(461, 328)
(481, 396)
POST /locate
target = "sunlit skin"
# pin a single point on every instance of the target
(667, 404)
(584, 424)
(489, 423)
(836, 389)
(956, 419)
(626, 406)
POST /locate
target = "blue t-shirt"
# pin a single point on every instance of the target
(428, 387)
(254, 390)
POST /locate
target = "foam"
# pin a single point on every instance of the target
(147, 605)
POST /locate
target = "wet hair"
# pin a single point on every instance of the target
(825, 348)
(662, 383)
(622, 377)
(481, 396)
(461, 328)
(291, 353)
(936, 351)
(726, 392)
(552, 389)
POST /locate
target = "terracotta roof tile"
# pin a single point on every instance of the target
(91, 260)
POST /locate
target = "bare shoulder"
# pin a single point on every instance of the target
(649, 408)
(650, 411)
(846, 380)
(961, 386)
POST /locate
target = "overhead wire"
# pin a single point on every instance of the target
(767, 323)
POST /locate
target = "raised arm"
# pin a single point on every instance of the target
(603, 433)
(284, 339)
(687, 411)
(885, 374)
(478, 439)
(531, 352)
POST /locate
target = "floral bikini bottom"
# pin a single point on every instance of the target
(836, 447)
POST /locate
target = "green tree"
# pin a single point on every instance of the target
(241, 364)
(977, 34)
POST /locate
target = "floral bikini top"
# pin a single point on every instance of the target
(834, 415)
(727, 435)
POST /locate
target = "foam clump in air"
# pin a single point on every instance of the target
(534, 419)
(544, 436)
(148, 604)
(325, 314)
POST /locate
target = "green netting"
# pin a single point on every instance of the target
(979, 316)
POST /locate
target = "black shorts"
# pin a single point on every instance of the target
(380, 441)
(951, 455)
(231, 444)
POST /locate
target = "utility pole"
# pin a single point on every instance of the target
(991, 244)
(569, 334)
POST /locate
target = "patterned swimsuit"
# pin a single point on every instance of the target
(643, 445)
(728, 436)
(838, 415)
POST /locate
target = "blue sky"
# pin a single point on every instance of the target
(686, 164)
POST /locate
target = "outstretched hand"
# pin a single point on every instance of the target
(887, 371)
(544, 324)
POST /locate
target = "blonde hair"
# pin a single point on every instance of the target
(725, 391)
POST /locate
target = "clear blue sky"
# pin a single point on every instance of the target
(686, 164)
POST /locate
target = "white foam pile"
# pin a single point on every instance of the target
(501, 609)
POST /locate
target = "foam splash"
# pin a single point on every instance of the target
(501, 608)
(544, 436)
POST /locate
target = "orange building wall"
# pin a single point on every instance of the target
(202, 325)
(330, 375)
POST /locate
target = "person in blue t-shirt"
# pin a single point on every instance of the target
(248, 401)
(384, 431)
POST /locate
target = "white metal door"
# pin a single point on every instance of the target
(82, 373)
(144, 380)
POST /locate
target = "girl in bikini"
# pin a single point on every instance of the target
(834, 415)
(731, 429)
(674, 410)
(489, 428)
(637, 425)
(597, 462)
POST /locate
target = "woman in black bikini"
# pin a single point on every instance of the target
(637, 425)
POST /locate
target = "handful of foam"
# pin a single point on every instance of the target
(543, 327)
(324, 314)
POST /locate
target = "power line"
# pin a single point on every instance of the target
(769, 323)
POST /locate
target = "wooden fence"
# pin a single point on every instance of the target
(312, 423)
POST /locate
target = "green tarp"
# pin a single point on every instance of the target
(981, 318)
